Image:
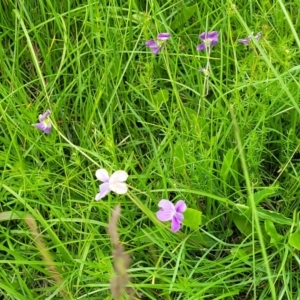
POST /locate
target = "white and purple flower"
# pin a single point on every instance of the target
(45, 124)
(171, 212)
(115, 183)
(155, 46)
(209, 39)
(248, 39)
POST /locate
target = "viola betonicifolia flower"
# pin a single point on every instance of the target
(248, 39)
(45, 124)
(209, 39)
(115, 183)
(156, 46)
(171, 212)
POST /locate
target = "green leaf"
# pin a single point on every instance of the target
(262, 194)
(185, 13)
(161, 97)
(227, 162)
(294, 240)
(192, 218)
(273, 216)
(243, 223)
(272, 232)
(179, 158)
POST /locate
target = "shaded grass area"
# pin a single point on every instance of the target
(115, 105)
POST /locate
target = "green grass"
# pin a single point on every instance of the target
(233, 154)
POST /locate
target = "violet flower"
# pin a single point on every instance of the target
(155, 46)
(247, 40)
(45, 123)
(209, 39)
(114, 183)
(171, 212)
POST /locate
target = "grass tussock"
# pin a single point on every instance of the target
(225, 140)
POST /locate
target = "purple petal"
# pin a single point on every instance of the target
(45, 115)
(245, 41)
(201, 47)
(167, 210)
(164, 215)
(180, 206)
(175, 226)
(40, 126)
(104, 190)
(47, 130)
(163, 36)
(213, 42)
(166, 205)
(155, 50)
(151, 44)
(102, 175)
(179, 217)
(212, 35)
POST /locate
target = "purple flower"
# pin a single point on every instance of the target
(171, 212)
(209, 39)
(247, 40)
(155, 46)
(114, 183)
(45, 122)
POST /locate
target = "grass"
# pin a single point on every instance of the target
(232, 154)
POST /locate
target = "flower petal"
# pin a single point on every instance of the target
(245, 41)
(163, 36)
(213, 42)
(102, 175)
(155, 50)
(151, 44)
(166, 205)
(45, 115)
(118, 187)
(118, 176)
(104, 190)
(167, 210)
(175, 226)
(213, 35)
(201, 47)
(164, 216)
(40, 126)
(47, 130)
(180, 206)
(179, 217)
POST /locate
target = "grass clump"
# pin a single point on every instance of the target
(225, 141)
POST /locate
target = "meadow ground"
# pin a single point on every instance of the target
(224, 140)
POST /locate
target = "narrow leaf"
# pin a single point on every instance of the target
(185, 13)
(179, 158)
(227, 162)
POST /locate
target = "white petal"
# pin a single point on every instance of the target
(102, 175)
(118, 187)
(118, 176)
